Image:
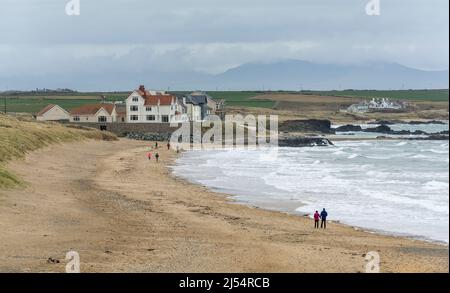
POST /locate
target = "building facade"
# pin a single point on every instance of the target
(53, 113)
(98, 113)
(144, 106)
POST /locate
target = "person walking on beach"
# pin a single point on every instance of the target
(149, 156)
(168, 145)
(156, 145)
(316, 220)
(157, 157)
(323, 216)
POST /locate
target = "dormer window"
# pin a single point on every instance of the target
(148, 109)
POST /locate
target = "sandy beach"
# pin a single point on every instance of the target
(123, 213)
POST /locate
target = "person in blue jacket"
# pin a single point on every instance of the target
(323, 216)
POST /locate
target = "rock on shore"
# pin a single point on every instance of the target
(304, 141)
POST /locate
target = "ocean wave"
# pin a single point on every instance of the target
(435, 185)
(352, 156)
(383, 180)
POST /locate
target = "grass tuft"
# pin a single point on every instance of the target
(19, 137)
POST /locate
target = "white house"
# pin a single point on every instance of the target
(379, 105)
(52, 113)
(194, 108)
(94, 113)
(143, 106)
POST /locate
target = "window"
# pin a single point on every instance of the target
(76, 118)
(135, 99)
(102, 119)
(133, 108)
(134, 117)
(151, 118)
(165, 118)
(123, 119)
(148, 109)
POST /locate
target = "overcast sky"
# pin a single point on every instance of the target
(38, 39)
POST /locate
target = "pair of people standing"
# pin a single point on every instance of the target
(149, 156)
(322, 216)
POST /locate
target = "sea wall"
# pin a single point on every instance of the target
(123, 129)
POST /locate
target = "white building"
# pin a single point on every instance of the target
(379, 105)
(200, 105)
(52, 113)
(103, 113)
(194, 109)
(143, 106)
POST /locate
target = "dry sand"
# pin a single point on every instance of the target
(123, 213)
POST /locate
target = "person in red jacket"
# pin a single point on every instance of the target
(149, 156)
(316, 220)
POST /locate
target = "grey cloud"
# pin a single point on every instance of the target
(120, 36)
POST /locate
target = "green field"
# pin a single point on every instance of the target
(418, 95)
(242, 99)
(33, 103)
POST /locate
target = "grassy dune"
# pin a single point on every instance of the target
(18, 137)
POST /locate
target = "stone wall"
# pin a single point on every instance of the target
(122, 129)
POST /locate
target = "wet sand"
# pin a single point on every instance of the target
(123, 213)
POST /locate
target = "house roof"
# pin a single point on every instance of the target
(196, 100)
(92, 109)
(152, 99)
(121, 109)
(45, 110)
(201, 94)
(164, 100)
(144, 92)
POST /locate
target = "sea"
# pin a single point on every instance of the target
(396, 187)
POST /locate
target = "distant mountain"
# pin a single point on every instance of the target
(283, 75)
(295, 74)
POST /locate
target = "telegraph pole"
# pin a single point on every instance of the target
(4, 103)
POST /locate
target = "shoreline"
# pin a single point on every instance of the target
(267, 206)
(232, 198)
(123, 213)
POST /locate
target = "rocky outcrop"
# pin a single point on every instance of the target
(430, 137)
(149, 136)
(348, 128)
(304, 141)
(391, 122)
(308, 125)
(426, 122)
(380, 129)
(443, 135)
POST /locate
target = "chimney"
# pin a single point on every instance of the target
(142, 89)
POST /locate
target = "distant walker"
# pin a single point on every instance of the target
(323, 216)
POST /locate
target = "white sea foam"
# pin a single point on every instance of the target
(378, 185)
